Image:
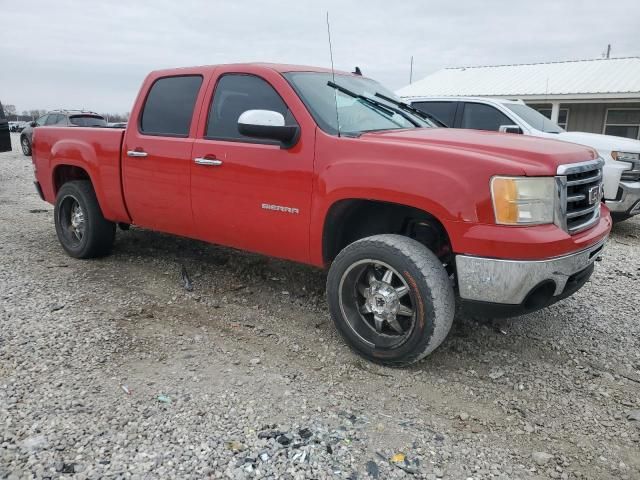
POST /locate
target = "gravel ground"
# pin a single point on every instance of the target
(110, 368)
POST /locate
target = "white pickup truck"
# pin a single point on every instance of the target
(621, 155)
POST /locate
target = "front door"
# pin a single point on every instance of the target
(247, 193)
(157, 156)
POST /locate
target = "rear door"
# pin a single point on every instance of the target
(252, 194)
(156, 154)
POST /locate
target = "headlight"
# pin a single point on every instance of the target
(625, 156)
(523, 200)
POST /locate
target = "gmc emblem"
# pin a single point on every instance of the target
(594, 194)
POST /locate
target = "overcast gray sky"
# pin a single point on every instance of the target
(94, 54)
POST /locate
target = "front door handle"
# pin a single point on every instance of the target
(136, 153)
(210, 162)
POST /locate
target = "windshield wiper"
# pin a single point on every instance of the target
(378, 105)
(409, 108)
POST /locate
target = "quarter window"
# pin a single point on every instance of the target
(234, 95)
(52, 119)
(623, 123)
(169, 106)
(483, 117)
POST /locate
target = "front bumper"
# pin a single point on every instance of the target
(518, 282)
(628, 199)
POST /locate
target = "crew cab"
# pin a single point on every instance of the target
(330, 169)
(621, 155)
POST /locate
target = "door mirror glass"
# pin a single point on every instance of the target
(267, 124)
(510, 129)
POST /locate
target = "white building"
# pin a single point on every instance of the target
(599, 96)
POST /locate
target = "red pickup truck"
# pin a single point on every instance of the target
(330, 169)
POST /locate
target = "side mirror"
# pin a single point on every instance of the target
(510, 129)
(33, 124)
(269, 125)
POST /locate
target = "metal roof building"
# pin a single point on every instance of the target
(600, 96)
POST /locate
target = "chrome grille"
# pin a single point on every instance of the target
(580, 190)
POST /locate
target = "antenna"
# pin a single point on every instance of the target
(411, 71)
(333, 74)
(546, 98)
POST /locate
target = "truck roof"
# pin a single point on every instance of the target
(278, 67)
(462, 99)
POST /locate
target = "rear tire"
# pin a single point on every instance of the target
(82, 230)
(26, 146)
(391, 299)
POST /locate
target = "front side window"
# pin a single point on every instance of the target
(534, 118)
(623, 123)
(169, 106)
(234, 95)
(479, 116)
(41, 121)
(563, 116)
(354, 115)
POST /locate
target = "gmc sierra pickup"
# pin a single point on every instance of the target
(330, 169)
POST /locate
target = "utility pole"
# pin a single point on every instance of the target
(608, 51)
(411, 70)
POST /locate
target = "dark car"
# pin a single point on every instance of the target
(60, 118)
(5, 138)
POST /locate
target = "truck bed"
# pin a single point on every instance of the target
(96, 150)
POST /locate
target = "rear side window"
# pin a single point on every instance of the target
(234, 95)
(52, 119)
(169, 106)
(479, 116)
(443, 111)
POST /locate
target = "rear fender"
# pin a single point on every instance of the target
(83, 155)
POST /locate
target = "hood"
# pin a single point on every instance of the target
(516, 153)
(602, 143)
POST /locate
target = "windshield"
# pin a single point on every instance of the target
(87, 121)
(534, 118)
(355, 115)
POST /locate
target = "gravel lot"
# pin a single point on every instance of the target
(110, 368)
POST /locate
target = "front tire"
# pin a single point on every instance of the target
(617, 217)
(82, 230)
(391, 299)
(26, 146)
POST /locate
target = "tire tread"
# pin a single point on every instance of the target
(441, 291)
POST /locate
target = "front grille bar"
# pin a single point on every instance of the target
(576, 198)
(579, 213)
(583, 181)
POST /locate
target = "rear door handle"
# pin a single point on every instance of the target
(136, 153)
(209, 162)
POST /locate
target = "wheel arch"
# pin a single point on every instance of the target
(350, 219)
